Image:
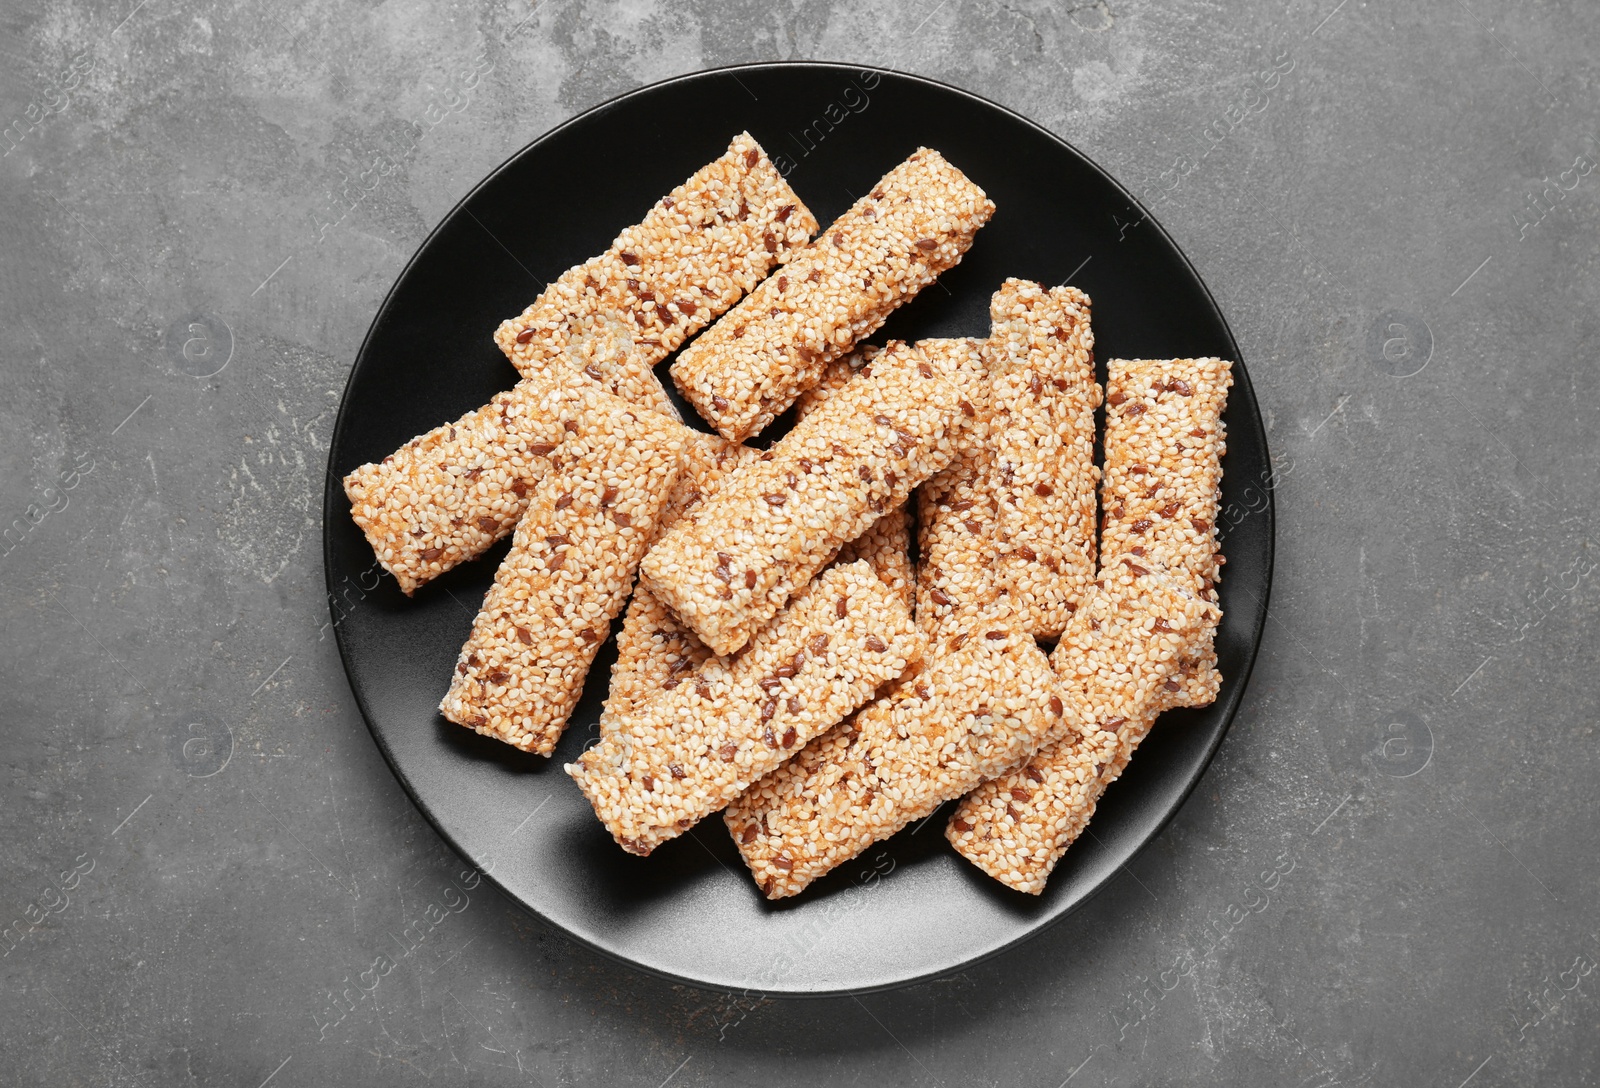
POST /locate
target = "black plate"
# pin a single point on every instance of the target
(909, 908)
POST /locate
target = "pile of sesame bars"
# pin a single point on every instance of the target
(827, 639)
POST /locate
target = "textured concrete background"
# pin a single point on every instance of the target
(1387, 877)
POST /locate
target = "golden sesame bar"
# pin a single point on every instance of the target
(692, 256)
(971, 713)
(572, 559)
(957, 538)
(1164, 444)
(654, 650)
(689, 751)
(1118, 663)
(886, 545)
(444, 497)
(1165, 440)
(1041, 358)
(918, 221)
(732, 563)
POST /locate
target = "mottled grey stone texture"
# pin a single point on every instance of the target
(1386, 877)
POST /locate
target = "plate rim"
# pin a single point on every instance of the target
(333, 490)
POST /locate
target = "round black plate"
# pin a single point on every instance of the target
(909, 908)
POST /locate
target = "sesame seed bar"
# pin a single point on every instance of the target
(699, 249)
(956, 533)
(689, 751)
(918, 221)
(727, 568)
(572, 559)
(446, 496)
(654, 650)
(971, 713)
(1164, 444)
(1119, 662)
(886, 545)
(1041, 357)
(1165, 440)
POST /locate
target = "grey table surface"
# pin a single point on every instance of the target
(1387, 876)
